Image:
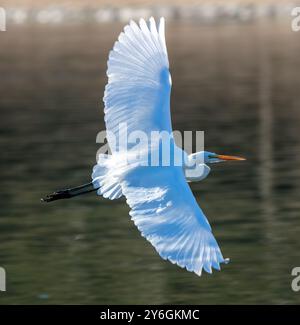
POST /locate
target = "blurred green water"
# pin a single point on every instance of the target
(239, 83)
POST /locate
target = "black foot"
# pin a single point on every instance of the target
(63, 194)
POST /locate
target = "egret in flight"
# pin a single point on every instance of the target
(162, 205)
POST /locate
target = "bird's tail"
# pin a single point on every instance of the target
(104, 179)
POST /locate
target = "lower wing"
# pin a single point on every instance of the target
(165, 211)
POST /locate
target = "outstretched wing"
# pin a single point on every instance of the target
(137, 98)
(168, 216)
(139, 82)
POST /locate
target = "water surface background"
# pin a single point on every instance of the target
(239, 83)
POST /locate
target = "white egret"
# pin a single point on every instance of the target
(162, 204)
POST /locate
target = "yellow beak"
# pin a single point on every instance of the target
(224, 157)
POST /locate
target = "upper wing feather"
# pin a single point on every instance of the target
(139, 82)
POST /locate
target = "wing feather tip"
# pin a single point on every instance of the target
(207, 267)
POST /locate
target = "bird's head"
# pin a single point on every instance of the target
(211, 157)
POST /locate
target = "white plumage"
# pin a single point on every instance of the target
(162, 205)
(139, 81)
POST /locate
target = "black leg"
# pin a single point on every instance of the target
(70, 192)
